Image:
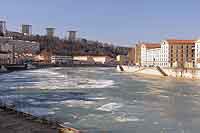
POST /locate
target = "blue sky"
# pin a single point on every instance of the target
(122, 22)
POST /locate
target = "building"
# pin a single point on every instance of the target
(24, 50)
(153, 57)
(122, 59)
(145, 47)
(6, 54)
(57, 59)
(197, 54)
(5, 57)
(72, 35)
(50, 32)
(3, 28)
(170, 53)
(132, 55)
(26, 29)
(19, 51)
(138, 54)
(164, 54)
(94, 59)
(178, 53)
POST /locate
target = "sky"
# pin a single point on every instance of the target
(122, 22)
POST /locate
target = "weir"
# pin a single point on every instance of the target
(161, 71)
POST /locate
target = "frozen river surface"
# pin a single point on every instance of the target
(101, 99)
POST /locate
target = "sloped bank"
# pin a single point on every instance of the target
(157, 71)
(14, 121)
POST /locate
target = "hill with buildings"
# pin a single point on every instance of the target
(55, 45)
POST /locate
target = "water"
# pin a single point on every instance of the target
(101, 99)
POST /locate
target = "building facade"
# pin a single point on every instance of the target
(3, 27)
(146, 48)
(94, 59)
(5, 57)
(138, 54)
(122, 59)
(19, 51)
(164, 54)
(72, 35)
(169, 53)
(153, 57)
(50, 32)
(181, 53)
(197, 54)
(131, 56)
(26, 29)
(57, 59)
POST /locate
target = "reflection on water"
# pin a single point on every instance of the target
(101, 99)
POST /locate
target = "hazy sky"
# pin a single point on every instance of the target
(122, 22)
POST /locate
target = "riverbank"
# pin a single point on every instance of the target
(178, 73)
(13, 121)
(10, 122)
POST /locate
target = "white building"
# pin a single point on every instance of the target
(153, 57)
(57, 59)
(164, 54)
(94, 59)
(197, 54)
(149, 51)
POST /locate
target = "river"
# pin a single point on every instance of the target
(102, 99)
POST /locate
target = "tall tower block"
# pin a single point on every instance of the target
(50, 32)
(72, 35)
(3, 27)
(26, 29)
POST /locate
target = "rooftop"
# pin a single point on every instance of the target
(151, 45)
(175, 41)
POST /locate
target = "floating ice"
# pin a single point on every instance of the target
(77, 103)
(110, 107)
(45, 102)
(127, 119)
(97, 98)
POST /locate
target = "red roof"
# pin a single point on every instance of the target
(151, 45)
(174, 41)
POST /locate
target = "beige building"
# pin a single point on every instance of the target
(179, 53)
(122, 59)
(132, 55)
(197, 54)
(170, 53)
(138, 54)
